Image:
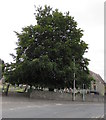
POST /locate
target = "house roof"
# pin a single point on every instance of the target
(97, 77)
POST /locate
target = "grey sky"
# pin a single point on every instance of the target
(89, 15)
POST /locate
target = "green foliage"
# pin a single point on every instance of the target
(0, 73)
(45, 52)
(2, 67)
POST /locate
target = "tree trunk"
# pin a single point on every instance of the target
(51, 89)
(25, 88)
(7, 89)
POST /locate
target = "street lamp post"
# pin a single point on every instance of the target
(74, 82)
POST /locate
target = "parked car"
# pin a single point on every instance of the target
(95, 92)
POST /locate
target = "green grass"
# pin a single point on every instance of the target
(12, 89)
(20, 90)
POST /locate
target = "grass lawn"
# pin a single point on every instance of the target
(12, 89)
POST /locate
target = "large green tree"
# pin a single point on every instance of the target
(49, 52)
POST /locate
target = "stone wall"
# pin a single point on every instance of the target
(64, 96)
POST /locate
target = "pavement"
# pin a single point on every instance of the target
(23, 107)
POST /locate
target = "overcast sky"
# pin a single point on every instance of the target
(89, 14)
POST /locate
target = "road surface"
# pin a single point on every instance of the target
(21, 107)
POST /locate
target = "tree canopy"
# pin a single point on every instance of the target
(2, 67)
(49, 52)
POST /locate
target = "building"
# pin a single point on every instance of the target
(98, 85)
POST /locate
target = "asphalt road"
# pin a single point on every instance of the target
(21, 107)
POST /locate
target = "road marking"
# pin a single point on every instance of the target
(11, 108)
(17, 108)
(34, 106)
(29, 106)
(58, 104)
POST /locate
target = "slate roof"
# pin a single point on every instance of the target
(97, 77)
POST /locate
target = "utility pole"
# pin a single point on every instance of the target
(83, 93)
(74, 82)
